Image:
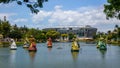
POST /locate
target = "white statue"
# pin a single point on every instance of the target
(13, 45)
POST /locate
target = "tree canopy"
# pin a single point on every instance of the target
(112, 9)
(34, 5)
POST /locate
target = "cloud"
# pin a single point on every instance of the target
(20, 20)
(58, 7)
(40, 16)
(93, 16)
(8, 15)
(9, 5)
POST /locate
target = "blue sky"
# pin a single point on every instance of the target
(56, 13)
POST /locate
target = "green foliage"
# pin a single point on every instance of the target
(5, 28)
(112, 9)
(0, 27)
(64, 35)
(71, 36)
(110, 36)
(15, 34)
(119, 32)
(33, 6)
(31, 32)
(40, 36)
(22, 33)
(53, 34)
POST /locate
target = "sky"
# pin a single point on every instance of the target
(57, 13)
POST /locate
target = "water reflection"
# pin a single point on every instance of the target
(103, 53)
(25, 49)
(49, 49)
(75, 55)
(90, 42)
(32, 55)
(12, 58)
(61, 57)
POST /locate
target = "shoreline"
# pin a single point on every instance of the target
(6, 44)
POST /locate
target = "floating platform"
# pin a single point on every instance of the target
(13, 48)
(74, 50)
(49, 46)
(32, 49)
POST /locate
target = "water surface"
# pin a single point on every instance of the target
(60, 56)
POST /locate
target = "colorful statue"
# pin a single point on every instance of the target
(101, 44)
(75, 46)
(32, 46)
(13, 45)
(49, 42)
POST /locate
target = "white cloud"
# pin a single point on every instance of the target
(9, 5)
(8, 15)
(40, 16)
(93, 16)
(20, 20)
(58, 7)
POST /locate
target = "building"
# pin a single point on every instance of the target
(86, 32)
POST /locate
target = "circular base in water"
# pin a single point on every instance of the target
(74, 50)
(25, 47)
(32, 50)
(49, 47)
(13, 48)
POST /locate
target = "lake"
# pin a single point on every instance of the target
(60, 56)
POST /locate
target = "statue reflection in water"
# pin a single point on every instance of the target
(103, 53)
(12, 58)
(32, 55)
(49, 49)
(75, 55)
(75, 59)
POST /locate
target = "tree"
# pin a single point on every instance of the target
(53, 34)
(116, 32)
(40, 36)
(16, 34)
(31, 32)
(109, 35)
(64, 36)
(5, 28)
(24, 31)
(119, 33)
(71, 36)
(33, 5)
(0, 26)
(112, 9)
(116, 26)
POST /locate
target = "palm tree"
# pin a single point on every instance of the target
(116, 30)
(64, 36)
(109, 35)
(116, 26)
